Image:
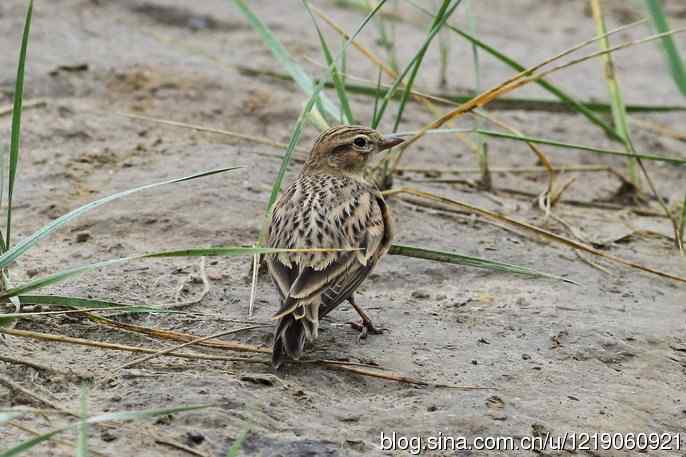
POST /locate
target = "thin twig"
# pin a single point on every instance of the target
(37, 366)
(18, 388)
(200, 128)
(514, 170)
(27, 104)
(181, 346)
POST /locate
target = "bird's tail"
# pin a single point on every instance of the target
(292, 330)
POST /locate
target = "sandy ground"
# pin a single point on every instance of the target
(606, 356)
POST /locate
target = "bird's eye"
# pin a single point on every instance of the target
(360, 142)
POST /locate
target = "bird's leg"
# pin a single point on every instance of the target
(365, 326)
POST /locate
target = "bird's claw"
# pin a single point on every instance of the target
(366, 328)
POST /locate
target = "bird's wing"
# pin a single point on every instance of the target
(326, 214)
(376, 240)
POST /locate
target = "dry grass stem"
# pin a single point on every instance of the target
(533, 229)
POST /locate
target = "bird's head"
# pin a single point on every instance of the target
(346, 150)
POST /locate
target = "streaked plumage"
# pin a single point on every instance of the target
(329, 205)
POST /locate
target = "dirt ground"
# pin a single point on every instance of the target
(606, 356)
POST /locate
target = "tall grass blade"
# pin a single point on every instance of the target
(16, 120)
(338, 82)
(619, 115)
(481, 145)
(437, 23)
(436, 27)
(108, 417)
(284, 58)
(24, 245)
(674, 60)
(460, 259)
(3, 157)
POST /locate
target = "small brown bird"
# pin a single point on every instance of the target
(330, 205)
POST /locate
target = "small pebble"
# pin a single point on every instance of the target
(107, 436)
(194, 438)
(82, 237)
(420, 294)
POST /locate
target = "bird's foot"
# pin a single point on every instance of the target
(365, 328)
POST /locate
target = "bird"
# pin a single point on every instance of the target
(329, 205)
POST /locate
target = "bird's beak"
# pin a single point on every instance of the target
(389, 141)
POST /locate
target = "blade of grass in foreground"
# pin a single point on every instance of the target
(284, 58)
(85, 303)
(82, 443)
(16, 120)
(459, 259)
(230, 251)
(108, 417)
(24, 245)
(676, 64)
(235, 449)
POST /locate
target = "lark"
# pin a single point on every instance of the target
(330, 205)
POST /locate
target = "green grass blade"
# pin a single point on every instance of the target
(24, 245)
(59, 277)
(3, 157)
(436, 23)
(501, 103)
(8, 416)
(284, 58)
(619, 115)
(16, 119)
(338, 82)
(482, 148)
(418, 56)
(560, 144)
(459, 259)
(378, 94)
(559, 93)
(108, 417)
(230, 251)
(83, 303)
(82, 443)
(235, 449)
(674, 60)
(682, 223)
